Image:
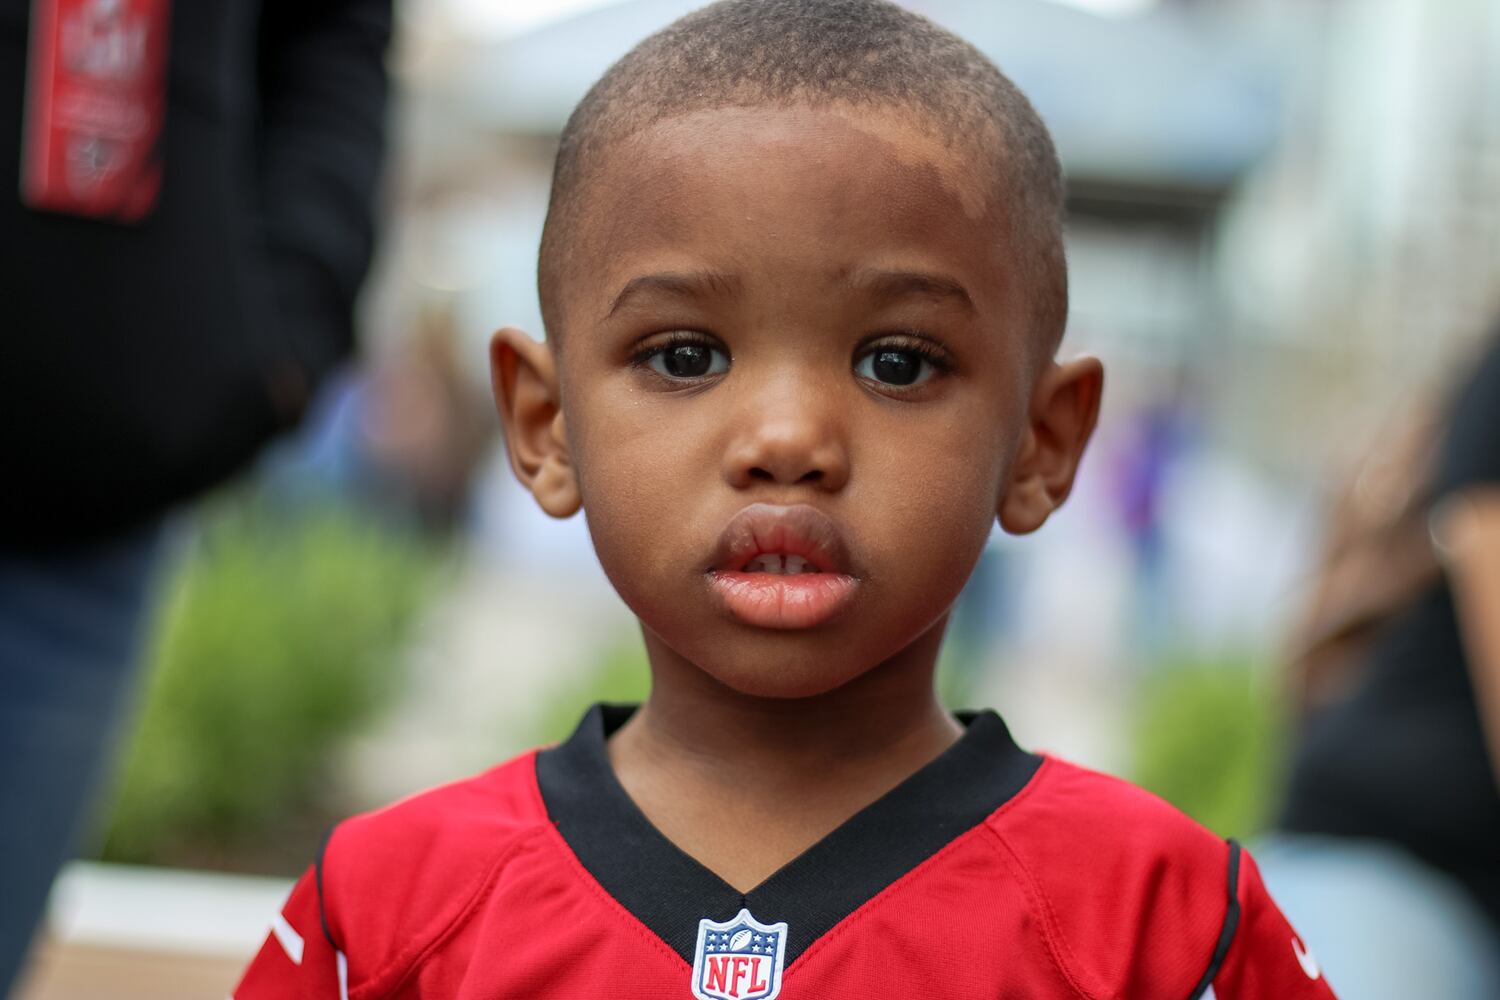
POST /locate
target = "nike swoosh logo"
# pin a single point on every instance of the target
(1306, 960)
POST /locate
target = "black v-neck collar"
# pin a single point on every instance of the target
(670, 892)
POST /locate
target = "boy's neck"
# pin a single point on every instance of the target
(704, 762)
(870, 720)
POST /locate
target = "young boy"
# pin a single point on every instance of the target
(803, 283)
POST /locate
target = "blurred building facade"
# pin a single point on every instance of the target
(1366, 244)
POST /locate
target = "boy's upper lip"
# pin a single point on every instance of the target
(797, 529)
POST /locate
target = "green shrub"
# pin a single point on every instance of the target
(1209, 738)
(623, 674)
(276, 636)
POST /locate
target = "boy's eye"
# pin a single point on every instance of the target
(898, 366)
(688, 360)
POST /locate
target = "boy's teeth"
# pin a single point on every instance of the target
(765, 564)
(779, 564)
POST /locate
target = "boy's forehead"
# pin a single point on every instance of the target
(896, 137)
(712, 179)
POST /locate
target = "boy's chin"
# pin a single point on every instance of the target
(782, 677)
(781, 684)
(784, 664)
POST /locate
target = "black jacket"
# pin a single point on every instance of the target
(142, 364)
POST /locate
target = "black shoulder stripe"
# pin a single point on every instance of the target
(318, 875)
(1231, 923)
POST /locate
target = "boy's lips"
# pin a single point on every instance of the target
(782, 567)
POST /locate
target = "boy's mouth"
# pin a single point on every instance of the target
(782, 567)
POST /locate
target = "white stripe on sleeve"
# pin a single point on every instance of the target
(290, 940)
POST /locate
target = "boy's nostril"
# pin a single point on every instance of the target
(811, 476)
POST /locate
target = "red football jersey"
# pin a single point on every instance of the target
(990, 873)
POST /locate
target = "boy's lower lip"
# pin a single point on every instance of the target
(783, 601)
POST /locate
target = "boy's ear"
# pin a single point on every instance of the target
(1064, 410)
(524, 375)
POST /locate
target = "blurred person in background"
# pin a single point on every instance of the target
(403, 436)
(190, 218)
(1158, 436)
(1390, 855)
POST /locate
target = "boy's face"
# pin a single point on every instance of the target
(794, 339)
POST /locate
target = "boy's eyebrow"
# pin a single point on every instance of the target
(685, 284)
(889, 285)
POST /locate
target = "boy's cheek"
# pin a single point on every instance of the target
(927, 550)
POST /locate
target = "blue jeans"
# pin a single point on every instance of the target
(70, 631)
(1383, 925)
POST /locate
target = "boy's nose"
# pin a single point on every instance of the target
(795, 445)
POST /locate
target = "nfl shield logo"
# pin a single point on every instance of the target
(739, 959)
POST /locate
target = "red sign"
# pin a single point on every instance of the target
(95, 105)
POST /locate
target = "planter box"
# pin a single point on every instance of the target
(124, 933)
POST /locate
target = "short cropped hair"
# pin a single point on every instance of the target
(859, 53)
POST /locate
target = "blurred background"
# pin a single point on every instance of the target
(1285, 228)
